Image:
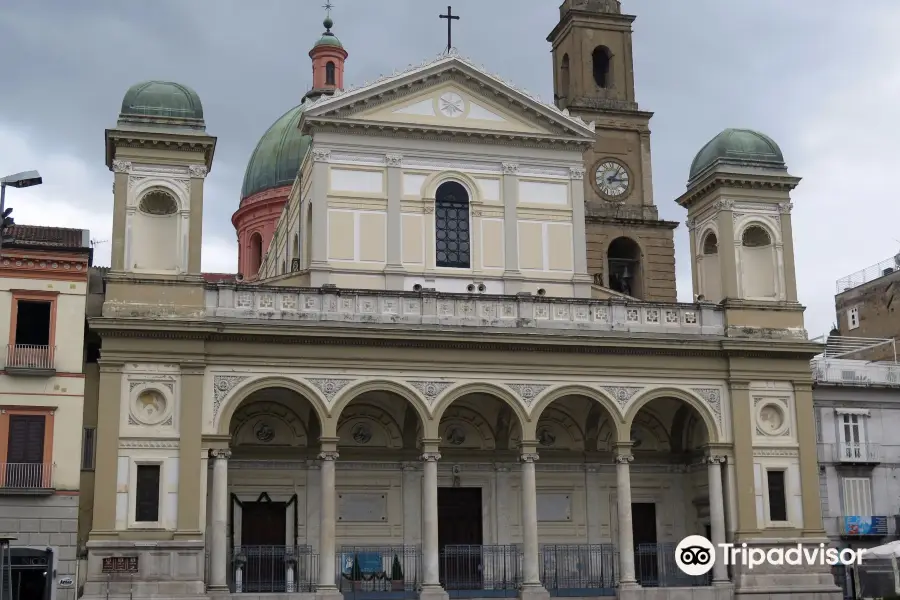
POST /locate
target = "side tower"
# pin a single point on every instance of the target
(742, 247)
(160, 154)
(629, 248)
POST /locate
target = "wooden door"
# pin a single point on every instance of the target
(263, 538)
(460, 538)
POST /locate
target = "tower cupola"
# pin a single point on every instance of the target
(328, 57)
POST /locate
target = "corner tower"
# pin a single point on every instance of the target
(742, 244)
(629, 248)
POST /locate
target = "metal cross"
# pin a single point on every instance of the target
(328, 6)
(450, 18)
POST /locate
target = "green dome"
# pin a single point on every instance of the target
(276, 159)
(162, 99)
(738, 146)
(329, 39)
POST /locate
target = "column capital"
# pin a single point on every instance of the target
(715, 459)
(576, 172)
(529, 457)
(328, 455)
(431, 456)
(393, 160)
(510, 168)
(220, 453)
(623, 459)
(121, 166)
(198, 171)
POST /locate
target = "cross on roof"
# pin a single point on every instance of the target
(450, 18)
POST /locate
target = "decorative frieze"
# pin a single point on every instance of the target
(527, 391)
(713, 399)
(330, 387)
(130, 444)
(431, 389)
(228, 300)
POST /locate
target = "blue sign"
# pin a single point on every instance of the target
(369, 562)
(856, 525)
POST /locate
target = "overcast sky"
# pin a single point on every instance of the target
(819, 77)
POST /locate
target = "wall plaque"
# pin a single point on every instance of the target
(362, 508)
(554, 507)
(120, 564)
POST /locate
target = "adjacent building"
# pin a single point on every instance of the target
(451, 361)
(867, 305)
(43, 279)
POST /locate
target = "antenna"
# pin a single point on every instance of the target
(95, 243)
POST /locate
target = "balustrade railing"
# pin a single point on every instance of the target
(379, 570)
(29, 356)
(273, 569)
(579, 569)
(26, 476)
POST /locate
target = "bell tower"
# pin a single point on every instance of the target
(630, 250)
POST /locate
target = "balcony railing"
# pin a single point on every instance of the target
(29, 358)
(855, 372)
(273, 569)
(858, 452)
(25, 477)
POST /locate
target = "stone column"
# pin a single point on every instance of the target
(623, 502)
(531, 581)
(393, 269)
(717, 515)
(328, 456)
(218, 580)
(431, 584)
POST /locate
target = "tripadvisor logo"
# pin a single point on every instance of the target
(695, 555)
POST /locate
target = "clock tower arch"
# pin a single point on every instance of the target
(630, 249)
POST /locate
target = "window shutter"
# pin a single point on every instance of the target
(26, 439)
(146, 508)
(857, 497)
(88, 448)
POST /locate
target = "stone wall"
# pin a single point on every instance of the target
(658, 249)
(41, 523)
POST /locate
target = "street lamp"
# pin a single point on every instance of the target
(19, 180)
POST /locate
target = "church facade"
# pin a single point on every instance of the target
(451, 363)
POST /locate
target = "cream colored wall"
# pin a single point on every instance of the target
(63, 393)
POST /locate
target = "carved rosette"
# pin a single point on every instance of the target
(393, 160)
(431, 389)
(510, 169)
(220, 454)
(576, 172)
(330, 387)
(121, 166)
(621, 394)
(431, 456)
(328, 455)
(527, 391)
(198, 171)
(222, 385)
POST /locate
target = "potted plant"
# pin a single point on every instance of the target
(397, 583)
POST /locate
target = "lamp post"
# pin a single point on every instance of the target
(19, 180)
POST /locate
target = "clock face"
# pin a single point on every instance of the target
(612, 179)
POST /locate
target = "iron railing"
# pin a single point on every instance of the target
(495, 570)
(370, 571)
(579, 569)
(273, 569)
(26, 476)
(856, 452)
(871, 273)
(29, 356)
(857, 373)
(655, 566)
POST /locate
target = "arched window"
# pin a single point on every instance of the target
(255, 255)
(710, 274)
(625, 274)
(758, 264)
(602, 60)
(564, 76)
(710, 244)
(155, 238)
(329, 73)
(451, 226)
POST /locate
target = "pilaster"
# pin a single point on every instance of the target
(195, 228)
(189, 453)
(121, 170)
(319, 205)
(509, 191)
(393, 270)
(809, 467)
(582, 281)
(727, 248)
(745, 485)
(106, 466)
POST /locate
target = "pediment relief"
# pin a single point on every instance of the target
(453, 105)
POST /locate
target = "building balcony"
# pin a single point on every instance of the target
(30, 359)
(860, 453)
(861, 373)
(427, 307)
(26, 479)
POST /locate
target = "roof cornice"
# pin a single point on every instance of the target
(757, 181)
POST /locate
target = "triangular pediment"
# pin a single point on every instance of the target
(452, 94)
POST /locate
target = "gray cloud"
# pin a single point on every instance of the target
(816, 78)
